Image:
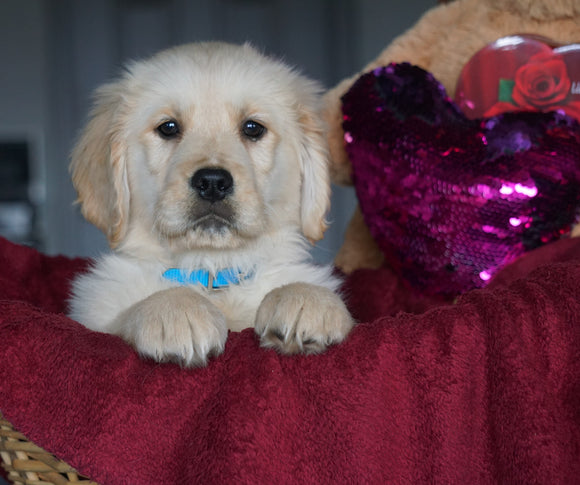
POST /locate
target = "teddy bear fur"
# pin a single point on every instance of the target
(441, 42)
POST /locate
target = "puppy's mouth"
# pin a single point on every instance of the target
(212, 217)
(211, 223)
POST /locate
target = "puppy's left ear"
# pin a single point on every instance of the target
(314, 159)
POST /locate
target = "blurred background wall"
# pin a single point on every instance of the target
(53, 53)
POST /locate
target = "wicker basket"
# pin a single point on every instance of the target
(28, 464)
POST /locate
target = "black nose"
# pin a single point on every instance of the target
(212, 184)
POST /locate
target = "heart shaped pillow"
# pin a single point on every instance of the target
(450, 200)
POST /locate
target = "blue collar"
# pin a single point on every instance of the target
(222, 279)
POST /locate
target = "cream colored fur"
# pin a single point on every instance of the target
(135, 185)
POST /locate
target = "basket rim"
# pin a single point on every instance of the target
(26, 463)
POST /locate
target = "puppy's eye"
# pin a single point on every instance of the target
(169, 129)
(253, 130)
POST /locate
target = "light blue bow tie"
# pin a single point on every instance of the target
(203, 277)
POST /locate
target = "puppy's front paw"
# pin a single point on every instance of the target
(302, 318)
(176, 325)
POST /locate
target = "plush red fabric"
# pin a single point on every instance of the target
(486, 390)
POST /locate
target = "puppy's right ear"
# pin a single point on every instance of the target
(98, 166)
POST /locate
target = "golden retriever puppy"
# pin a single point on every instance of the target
(206, 167)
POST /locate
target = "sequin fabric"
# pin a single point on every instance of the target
(449, 200)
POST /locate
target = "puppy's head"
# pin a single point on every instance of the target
(204, 145)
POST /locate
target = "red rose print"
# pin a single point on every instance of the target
(521, 73)
(541, 83)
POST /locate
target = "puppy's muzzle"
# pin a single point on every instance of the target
(212, 184)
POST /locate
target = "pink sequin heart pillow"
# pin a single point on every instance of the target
(449, 200)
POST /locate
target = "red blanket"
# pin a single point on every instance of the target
(486, 390)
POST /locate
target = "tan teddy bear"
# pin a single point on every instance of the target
(442, 42)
